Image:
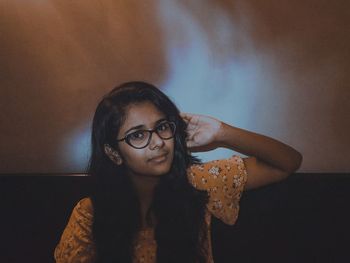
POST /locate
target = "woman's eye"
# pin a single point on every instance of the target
(138, 135)
(163, 127)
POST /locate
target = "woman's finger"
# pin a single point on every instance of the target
(186, 116)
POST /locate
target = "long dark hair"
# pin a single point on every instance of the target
(178, 207)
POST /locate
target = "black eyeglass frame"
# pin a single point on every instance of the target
(151, 131)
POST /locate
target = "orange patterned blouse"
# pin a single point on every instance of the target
(224, 181)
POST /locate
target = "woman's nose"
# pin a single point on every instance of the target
(156, 141)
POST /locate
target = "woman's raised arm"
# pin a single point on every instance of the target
(268, 160)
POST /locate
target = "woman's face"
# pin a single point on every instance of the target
(157, 157)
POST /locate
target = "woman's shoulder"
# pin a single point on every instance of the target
(76, 243)
(84, 208)
(86, 204)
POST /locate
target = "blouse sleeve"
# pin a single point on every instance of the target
(76, 243)
(224, 181)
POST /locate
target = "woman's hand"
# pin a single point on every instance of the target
(202, 131)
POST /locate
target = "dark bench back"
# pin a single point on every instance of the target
(302, 219)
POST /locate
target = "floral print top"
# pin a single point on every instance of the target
(224, 181)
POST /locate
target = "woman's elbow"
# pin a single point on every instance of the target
(295, 163)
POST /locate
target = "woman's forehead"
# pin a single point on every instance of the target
(144, 113)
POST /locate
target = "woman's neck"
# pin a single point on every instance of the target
(144, 185)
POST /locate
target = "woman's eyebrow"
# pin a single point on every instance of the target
(159, 121)
(135, 128)
(142, 126)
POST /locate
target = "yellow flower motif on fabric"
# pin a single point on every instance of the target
(213, 189)
(217, 204)
(200, 167)
(204, 180)
(237, 180)
(215, 171)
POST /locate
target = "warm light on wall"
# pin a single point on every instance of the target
(249, 63)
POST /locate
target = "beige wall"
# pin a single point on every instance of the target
(280, 68)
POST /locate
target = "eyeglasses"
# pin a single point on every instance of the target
(141, 138)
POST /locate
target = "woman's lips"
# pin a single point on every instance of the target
(159, 159)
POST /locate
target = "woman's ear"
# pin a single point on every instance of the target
(113, 154)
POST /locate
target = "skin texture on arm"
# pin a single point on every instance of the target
(269, 160)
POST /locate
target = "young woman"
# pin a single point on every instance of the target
(153, 201)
